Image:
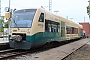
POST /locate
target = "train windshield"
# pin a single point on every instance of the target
(23, 18)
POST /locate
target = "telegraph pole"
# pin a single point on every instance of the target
(9, 16)
(9, 7)
(84, 19)
(67, 17)
(50, 5)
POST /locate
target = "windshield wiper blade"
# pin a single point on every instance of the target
(15, 23)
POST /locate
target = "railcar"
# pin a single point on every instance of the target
(31, 28)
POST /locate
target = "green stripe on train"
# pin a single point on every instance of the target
(43, 37)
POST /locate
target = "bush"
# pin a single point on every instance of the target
(1, 29)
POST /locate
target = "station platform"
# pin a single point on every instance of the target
(4, 40)
(61, 52)
(4, 43)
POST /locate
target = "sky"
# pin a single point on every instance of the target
(75, 9)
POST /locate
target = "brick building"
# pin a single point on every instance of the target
(86, 27)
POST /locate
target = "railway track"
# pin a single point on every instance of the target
(12, 53)
(60, 53)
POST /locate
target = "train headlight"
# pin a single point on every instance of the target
(28, 31)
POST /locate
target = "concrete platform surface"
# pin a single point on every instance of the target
(4, 43)
(4, 40)
(59, 52)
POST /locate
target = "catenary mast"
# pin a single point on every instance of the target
(50, 5)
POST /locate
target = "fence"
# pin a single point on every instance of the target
(4, 35)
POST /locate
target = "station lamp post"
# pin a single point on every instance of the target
(56, 11)
(71, 19)
(44, 7)
(8, 14)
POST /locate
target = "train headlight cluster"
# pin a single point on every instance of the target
(17, 38)
(28, 31)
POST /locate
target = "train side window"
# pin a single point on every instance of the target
(68, 29)
(41, 18)
(47, 26)
(58, 27)
(72, 30)
(51, 29)
(51, 26)
(55, 30)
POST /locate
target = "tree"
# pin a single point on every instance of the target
(88, 9)
(6, 24)
(1, 25)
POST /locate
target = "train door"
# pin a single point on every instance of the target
(62, 29)
(79, 32)
(41, 22)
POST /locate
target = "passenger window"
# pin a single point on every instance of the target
(41, 18)
(51, 26)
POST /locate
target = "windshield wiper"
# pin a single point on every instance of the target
(15, 23)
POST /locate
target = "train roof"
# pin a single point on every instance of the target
(68, 22)
(50, 15)
(80, 26)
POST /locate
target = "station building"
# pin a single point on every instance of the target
(86, 27)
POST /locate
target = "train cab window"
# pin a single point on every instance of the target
(41, 18)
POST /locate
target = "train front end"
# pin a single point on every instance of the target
(20, 29)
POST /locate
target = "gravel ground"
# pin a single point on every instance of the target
(81, 54)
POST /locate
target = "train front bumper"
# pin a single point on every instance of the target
(20, 45)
